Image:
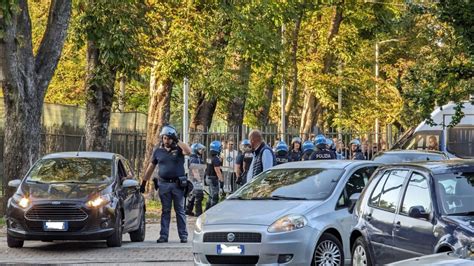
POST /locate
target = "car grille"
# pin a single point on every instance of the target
(55, 213)
(232, 259)
(220, 237)
(37, 226)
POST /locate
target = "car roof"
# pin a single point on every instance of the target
(410, 152)
(439, 167)
(326, 164)
(81, 154)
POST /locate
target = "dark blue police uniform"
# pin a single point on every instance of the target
(170, 168)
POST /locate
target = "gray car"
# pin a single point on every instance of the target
(295, 213)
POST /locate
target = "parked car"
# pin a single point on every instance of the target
(401, 156)
(295, 213)
(76, 196)
(460, 257)
(410, 210)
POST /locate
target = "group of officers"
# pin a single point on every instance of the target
(255, 157)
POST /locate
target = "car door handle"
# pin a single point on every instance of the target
(398, 225)
(368, 217)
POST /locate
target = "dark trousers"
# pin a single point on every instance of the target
(196, 197)
(172, 193)
(213, 183)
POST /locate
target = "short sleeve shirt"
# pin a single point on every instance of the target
(170, 163)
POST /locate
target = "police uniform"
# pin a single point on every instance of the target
(212, 180)
(170, 168)
(244, 160)
(281, 158)
(295, 156)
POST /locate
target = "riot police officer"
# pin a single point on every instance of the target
(197, 168)
(281, 153)
(295, 152)
(308, 149)
(214, 173)
(322, 152)
(356, 151)
(243, 162)
(169, 157)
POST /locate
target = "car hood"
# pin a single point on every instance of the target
(464, 222)
(61, 191)
(255, 212)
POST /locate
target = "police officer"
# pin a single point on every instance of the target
(197, 168)
(357, 153)
(169, 157)
(308, 149)
(281, 153)
(322, 152)
(243, 161)
(214, 173)
(295, 152)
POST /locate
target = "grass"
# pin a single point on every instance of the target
(2, 221)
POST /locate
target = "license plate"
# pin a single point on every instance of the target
(55, 226)
(230, 249)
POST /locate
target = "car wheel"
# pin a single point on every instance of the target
(360, 253)
(139, 234)
(328, 251)
(115, 240)
(14, 243)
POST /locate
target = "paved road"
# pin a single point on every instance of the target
(84, 253)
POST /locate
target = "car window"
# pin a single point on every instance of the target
(455, 192)
(121, 170)
(375, 197)
(417, 194)
(389, 195)
(128, 169)
(408, 157)
(358, 180)
(313, 184)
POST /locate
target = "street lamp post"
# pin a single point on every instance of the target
(377, 122)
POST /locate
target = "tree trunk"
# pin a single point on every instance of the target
(264, 110)
(204, 112)
(236, 107)
(100, 93)
(26, 78)
(123, 84)
(312, 107)
(293, 93)
(158, 111)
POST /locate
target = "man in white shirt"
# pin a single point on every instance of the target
(229, 157)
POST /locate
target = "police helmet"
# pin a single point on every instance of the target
(245, 145)
(215, 146)
(308, 145)
(295, 140)
(330, 143)
(320, 139)
(355, 142)
(281, 147)
(168, 131)
(197, 148)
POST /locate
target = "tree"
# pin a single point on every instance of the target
(26, 78)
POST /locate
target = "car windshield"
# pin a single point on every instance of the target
(291, 184)
(71, 170)
(407, 157)
(456, 193)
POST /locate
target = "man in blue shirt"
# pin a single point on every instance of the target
(169, 157)
(264, 158)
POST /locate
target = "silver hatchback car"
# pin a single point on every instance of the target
(295, 213)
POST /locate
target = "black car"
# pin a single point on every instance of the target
(402, 156)
(410, 210)
(76, 196)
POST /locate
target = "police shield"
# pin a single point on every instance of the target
(196, 175)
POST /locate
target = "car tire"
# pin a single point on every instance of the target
(115, 240)
(139, 234)
(360, 253)
(328, 250)
(14, 242)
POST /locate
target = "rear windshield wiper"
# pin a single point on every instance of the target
(462, 213)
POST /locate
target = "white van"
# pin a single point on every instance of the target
(457, 141)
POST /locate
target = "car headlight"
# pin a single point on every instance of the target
(288, 223)
(199, 223)
(22, 201)
(98, 201)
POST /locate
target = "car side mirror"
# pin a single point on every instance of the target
(130, 183)
(15, 183)
(417, 212)
(352, 201)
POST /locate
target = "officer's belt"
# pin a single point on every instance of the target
(169, 180)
